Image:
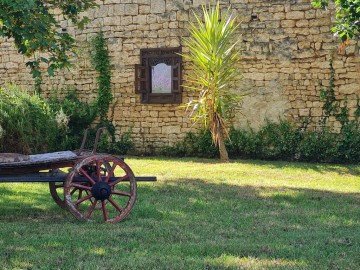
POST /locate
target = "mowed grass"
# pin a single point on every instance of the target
(200, 214)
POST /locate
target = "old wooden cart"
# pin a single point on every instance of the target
(90, 185)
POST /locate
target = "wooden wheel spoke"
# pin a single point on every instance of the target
(83, 199)
(98, 169)
(79, 186)
(103, 207)
(87, 176)
(110, 173)
(121, 193)
(119, 180)
(80, 194)
(73, 191)
(117, 207)
(91, 209)
(103, 169)
(89, 193)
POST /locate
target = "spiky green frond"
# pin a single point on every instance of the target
(214, 57)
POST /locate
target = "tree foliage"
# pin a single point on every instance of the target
(213, 58)
(34, 27)
(347, 25)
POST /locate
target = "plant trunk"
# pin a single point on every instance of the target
(224, 157)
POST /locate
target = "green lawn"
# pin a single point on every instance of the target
(199, 215)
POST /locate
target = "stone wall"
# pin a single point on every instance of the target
(286, 48)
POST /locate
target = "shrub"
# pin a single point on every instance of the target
(193, 145)
(277, 141)
(242, 143)
(273, 141)
(281, 141)
(28, 125)
(348, 148)
(318, 146)
(124, 145)
(109, 144)
(80, 117)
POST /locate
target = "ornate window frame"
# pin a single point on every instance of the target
(143, 75)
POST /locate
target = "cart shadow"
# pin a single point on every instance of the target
(28, 205)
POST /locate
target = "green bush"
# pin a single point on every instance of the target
(108, 143)
(193, 145)
(273, 141)
(348, 148)
(124, 145)
(80, 115)
(318, 146)
(277, 141)
(242, 143)
(28, 125)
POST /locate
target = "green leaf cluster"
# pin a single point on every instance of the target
(347, 23)
(27, 123)
(34, 28)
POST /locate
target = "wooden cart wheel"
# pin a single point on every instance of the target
(112, 187)
(57, 189)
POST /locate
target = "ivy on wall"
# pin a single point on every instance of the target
(334, 107)
(101, 62)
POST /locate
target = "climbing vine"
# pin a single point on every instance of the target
(332, 106)
(100, 59)
(101, 63)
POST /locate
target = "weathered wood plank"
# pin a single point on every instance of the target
(41, 159)
(12, 157)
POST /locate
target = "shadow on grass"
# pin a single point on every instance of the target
(21, 202)
(193, 224)
(296, 227)
(340, 169)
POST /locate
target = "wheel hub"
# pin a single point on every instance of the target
(101, 191)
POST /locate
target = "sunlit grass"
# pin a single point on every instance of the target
(232, 262)
(200, 214)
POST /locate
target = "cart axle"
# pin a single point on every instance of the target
(46, 177)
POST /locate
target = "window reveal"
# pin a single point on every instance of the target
(158, 77)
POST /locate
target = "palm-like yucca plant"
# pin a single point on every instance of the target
(213, 58)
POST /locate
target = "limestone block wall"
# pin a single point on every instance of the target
(286, 48)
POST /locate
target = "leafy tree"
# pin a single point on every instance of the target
(213, 58)
(34, 27)
(347, 25)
